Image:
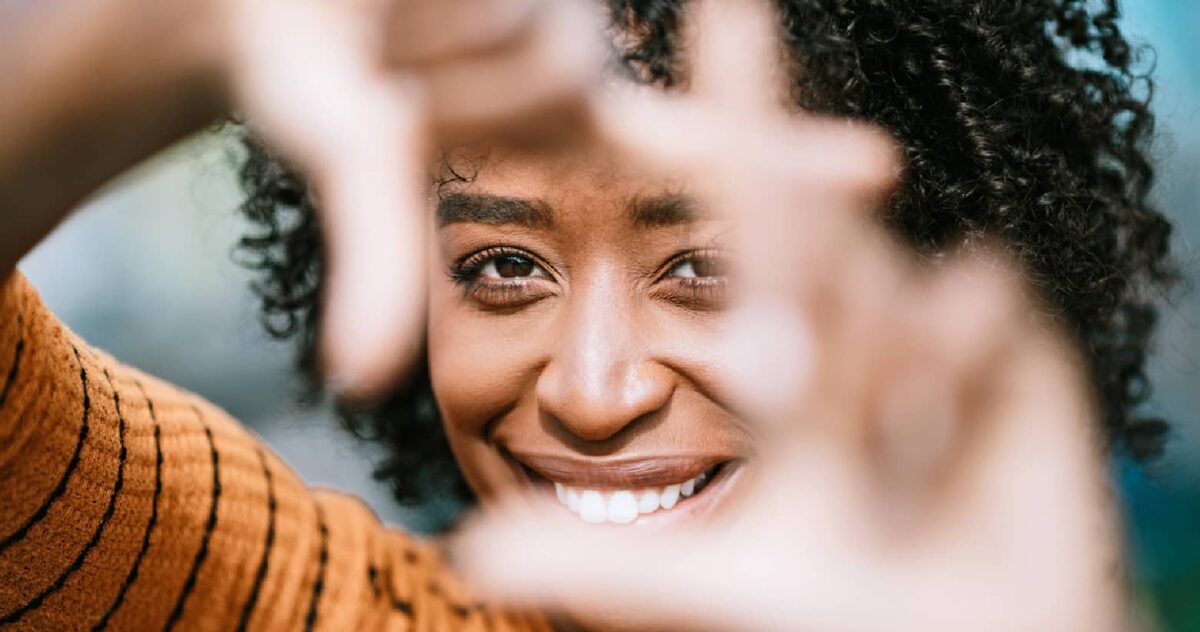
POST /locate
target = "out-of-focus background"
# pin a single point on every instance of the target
(146, 272)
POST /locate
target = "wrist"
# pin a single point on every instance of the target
(121, 78)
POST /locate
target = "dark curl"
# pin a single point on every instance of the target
(1022, 121)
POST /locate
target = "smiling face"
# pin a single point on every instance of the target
(573, 309)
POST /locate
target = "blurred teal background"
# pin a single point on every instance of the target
(145, 271)
(1163, 504)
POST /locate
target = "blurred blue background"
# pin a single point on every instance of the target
(145, 272)
(1163, 504)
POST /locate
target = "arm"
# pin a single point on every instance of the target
(92, 87)
(128, 503)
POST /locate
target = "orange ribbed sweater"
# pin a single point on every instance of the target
(128, 504)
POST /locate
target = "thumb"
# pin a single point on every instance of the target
(544, 561)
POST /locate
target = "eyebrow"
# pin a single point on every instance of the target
(482, 208)
(663, 210)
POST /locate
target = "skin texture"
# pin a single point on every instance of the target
(598, 352)
(579, 346)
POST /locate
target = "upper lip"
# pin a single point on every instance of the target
(618, 472)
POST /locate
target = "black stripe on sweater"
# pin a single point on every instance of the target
(16, 363)
(399, 605)
(209, 527)
(58, 584)
(137, 562)
(265, 562)
(314, 600)
(61, 487)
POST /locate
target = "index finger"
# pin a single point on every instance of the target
(374, 224)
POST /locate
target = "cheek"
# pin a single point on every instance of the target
(481, 364)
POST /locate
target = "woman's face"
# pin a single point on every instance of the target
(573, 311)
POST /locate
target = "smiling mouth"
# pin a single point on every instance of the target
(621, 492)
(623, 506)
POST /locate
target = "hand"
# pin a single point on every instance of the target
(927, 461)
(937, 472)
(357, 94)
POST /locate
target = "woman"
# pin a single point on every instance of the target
(1063, 178)
(572, 302)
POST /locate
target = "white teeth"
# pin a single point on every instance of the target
(592, 507)
(670, 496)
(623, 506)
(648, 502)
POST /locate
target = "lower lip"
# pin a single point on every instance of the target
(699, 506)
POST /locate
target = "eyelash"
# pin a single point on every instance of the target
(701, 293)
(704, 293)
(496, 293)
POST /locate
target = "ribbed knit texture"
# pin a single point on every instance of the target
(129, 504)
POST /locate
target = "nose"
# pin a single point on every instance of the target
(603, 376)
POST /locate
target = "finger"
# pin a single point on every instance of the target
(789, 184)
(802, 193)
(537, 89)
(961, 324)
(776, 176)
(374, 225)
(676, 134)
(735, 57)
(946, 334)
(618, 576)
(547, 567)
(804, 196)
(425, 31)
(976, 306)
(357, 136)
(1021, 442)
(1038, 449)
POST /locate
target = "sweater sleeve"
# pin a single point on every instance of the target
(126, 503)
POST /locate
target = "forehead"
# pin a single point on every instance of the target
(547, 175)
(493, 186)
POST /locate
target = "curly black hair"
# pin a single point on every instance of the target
(1025, 122)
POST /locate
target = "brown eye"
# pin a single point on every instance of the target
(510, 266)
(503, 278)
(698, 268)
(697, 280)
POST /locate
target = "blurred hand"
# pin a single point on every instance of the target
(935, 471)
(357, 94)
(928, 460)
